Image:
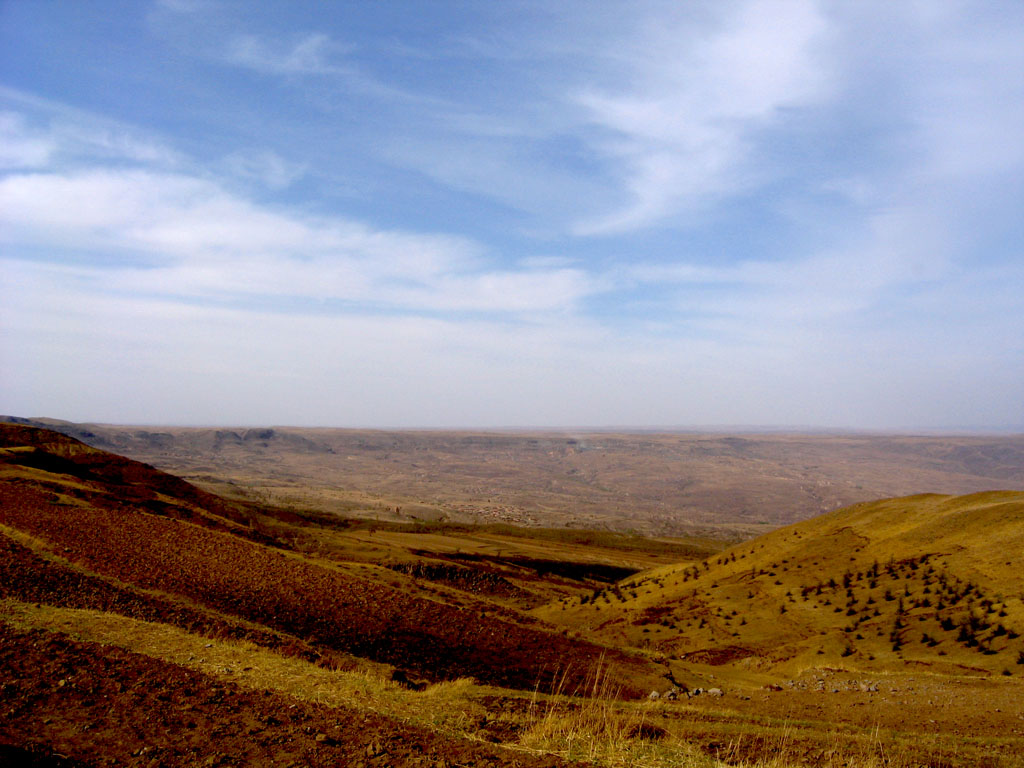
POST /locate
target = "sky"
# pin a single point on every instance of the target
(515, 214)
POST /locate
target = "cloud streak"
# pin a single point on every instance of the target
(685, 126)
(312, 55)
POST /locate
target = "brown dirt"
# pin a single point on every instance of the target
(317, 604)
(68, 702)
(26, 576)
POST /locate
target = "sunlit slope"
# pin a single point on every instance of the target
(933, 580)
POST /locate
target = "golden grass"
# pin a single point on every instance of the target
(589, 725)
(601, 731)
(755, 595)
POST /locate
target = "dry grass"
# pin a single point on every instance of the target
(805, 595)
(602, 731)
(590, 725)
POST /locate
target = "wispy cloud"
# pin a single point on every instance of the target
(20, 147)
(314, 54)
(683, 125)
(186, 236)
(265, 167)
(38, 133)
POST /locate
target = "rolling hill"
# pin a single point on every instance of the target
(99, 515)
(931, 581)
(145, 621)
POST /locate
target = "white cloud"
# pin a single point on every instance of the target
(968, 107)
(19, 147)
(188, 237)
(144, 284)
(179, 234)
(682, 128)
(39, 133)
(85, 355)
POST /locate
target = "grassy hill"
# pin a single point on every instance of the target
(929, 580)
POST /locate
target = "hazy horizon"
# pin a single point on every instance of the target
(571, 429)
(498, 216)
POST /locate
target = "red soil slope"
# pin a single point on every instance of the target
(80, 700)
(81, 514)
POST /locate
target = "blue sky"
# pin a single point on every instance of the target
(513, 214)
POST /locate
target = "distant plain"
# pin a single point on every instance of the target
(726, 485)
